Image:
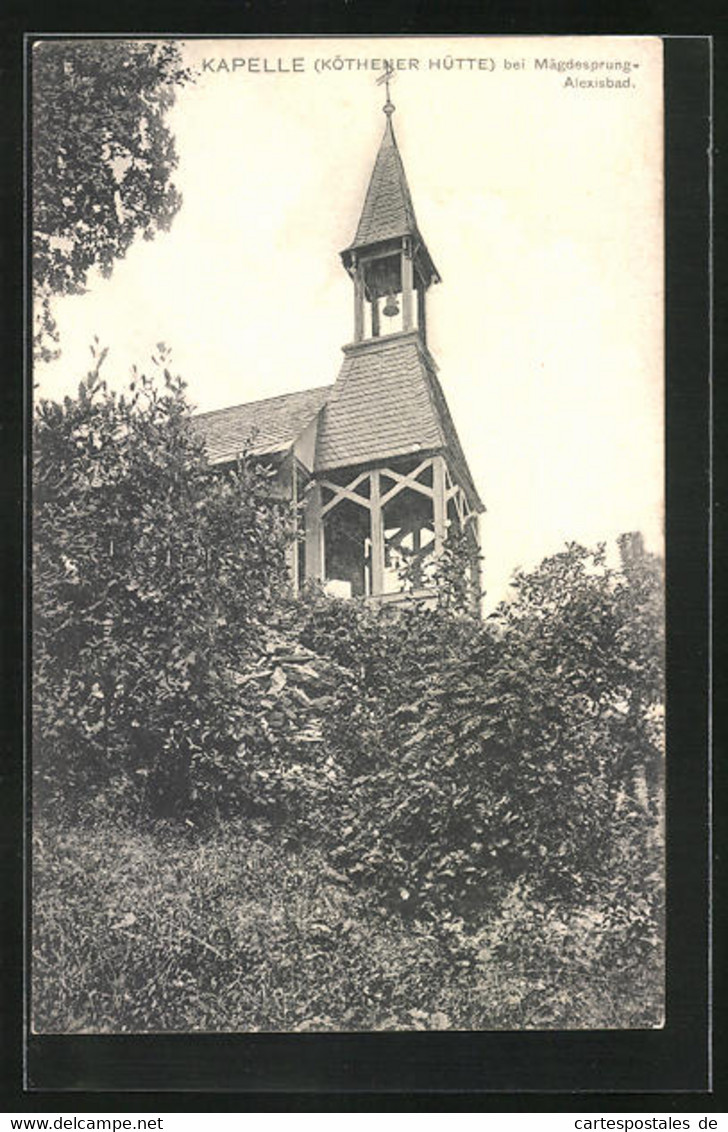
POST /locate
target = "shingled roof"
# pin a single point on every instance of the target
(379, 407)
(387, 402)
(388, 211)
(260, 427)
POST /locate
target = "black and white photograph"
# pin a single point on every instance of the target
(348, 689)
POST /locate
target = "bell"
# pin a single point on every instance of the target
(390, 307)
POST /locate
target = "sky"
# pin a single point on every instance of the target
(541, 205)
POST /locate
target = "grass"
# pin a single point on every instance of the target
(170, 930)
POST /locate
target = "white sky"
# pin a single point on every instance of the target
(541, 205)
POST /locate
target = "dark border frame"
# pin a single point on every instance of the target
(569, 1070)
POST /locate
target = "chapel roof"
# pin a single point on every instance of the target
(387, 402)
(261, 428)
(379, 407)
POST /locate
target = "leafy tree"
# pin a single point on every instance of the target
(155, 583)
(391, 653)
(579, 683)
(450, 575)
(102, 159)
(528, 751)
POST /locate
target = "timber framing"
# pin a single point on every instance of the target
(373, 491)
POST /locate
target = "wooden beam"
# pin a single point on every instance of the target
(350, 486)
(344, 493)
(375, 317)
(377, 535)
(315, 564)
(404, 482)
(463, 506)
(439, 504)
(419, 556)
(421, 311)
(409, 480)
(358, 304)
(384, 251)
(406, 284)
(415, 473)
(397, 539)
(341, 492)
(418, 553)
(458, 497)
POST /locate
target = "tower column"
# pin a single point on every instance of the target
(439, 505)
(358, 303)
(407, 283)
(376, 532)
(314, 534)
(375, 317)
(421, 311)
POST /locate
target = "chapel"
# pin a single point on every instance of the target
(372, 463)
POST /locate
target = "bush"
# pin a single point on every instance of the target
(529, 747)
(155, 581)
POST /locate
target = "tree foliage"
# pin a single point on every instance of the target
(540, 746)
(102, 159)
(525, 749)
(154, 580)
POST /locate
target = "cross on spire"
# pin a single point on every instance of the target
(386, 79)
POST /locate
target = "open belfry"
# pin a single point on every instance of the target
(373, 462)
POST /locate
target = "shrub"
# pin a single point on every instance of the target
(528, 747)
(155, 581)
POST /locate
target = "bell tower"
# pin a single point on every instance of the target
(390, 480)
(388, 260)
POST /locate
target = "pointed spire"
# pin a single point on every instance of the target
(388, 216)
(388, 210)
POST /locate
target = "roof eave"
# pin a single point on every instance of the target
(269, 452)
(421, 251)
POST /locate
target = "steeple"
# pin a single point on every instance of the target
(388, 256)
(375, 458)
(388, 211)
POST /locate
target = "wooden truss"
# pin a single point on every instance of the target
(369, 490)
